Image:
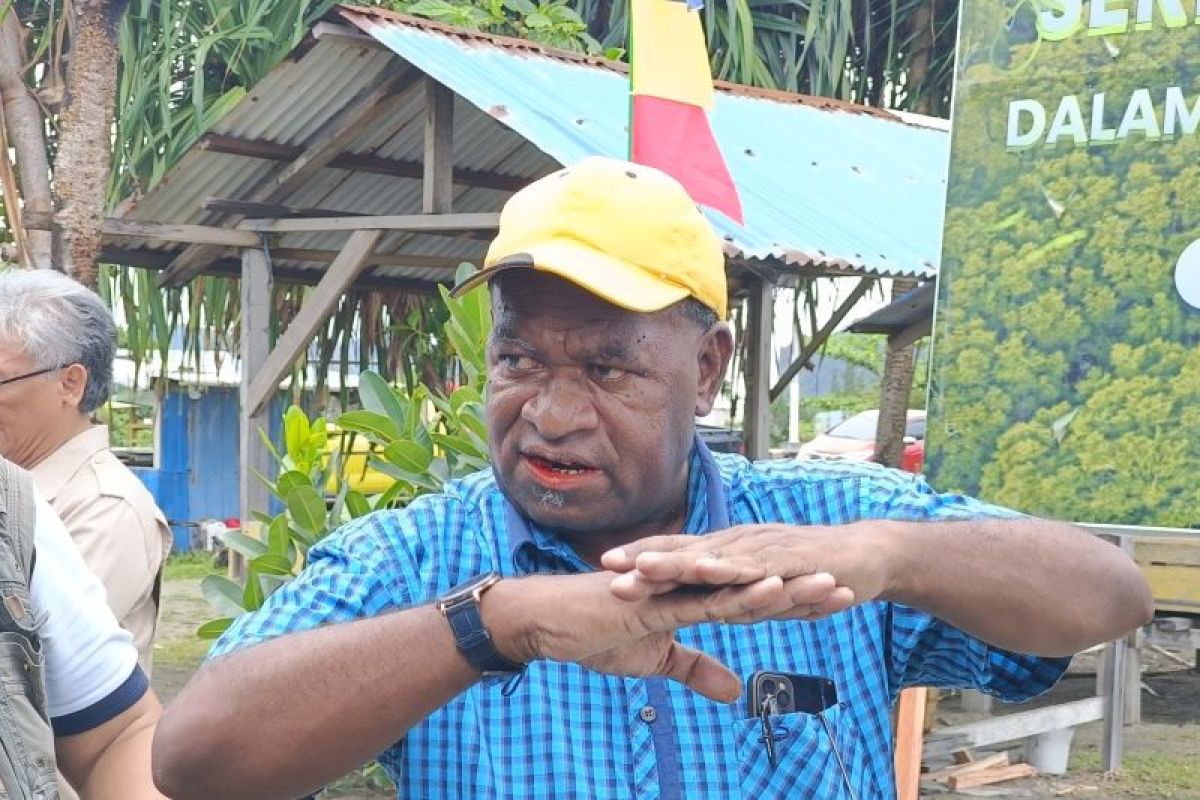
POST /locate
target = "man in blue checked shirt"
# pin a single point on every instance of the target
(579, 621)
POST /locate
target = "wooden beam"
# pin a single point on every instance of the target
(176, 233)
(381, 96)
(437, 188)
(1011, 727)
(255, 345)
(179, 234)
(360, 162)
(1114, 666)
(252, 210)
(756, 425)
(231, 268)
(413, 223)
(910, 723)
(312, 315)
(159, 259)
(815, 343)
(911, 334)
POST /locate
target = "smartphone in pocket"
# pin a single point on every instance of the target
(809, 694)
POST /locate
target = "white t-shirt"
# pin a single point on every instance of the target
(92, 673)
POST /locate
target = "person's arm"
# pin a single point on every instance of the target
(98, 699)
(1030, 586)
(283, 717)
(112, 761)
(1025, 585)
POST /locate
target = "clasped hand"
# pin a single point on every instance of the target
(623, 621)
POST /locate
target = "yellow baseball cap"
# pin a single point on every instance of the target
(627, 233)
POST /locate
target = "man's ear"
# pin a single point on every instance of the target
(73, 381)
(716, 348)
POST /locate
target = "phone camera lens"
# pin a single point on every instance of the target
(783, 699)
(768, 686)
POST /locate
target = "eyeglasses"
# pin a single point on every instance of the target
(33, 374)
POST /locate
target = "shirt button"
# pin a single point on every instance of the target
(648, 714)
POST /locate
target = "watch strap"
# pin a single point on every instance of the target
(472, 639)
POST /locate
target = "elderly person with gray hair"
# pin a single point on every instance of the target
(57, 342)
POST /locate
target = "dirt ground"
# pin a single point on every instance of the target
(1162, 756)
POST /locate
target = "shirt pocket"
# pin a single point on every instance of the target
(806, 764)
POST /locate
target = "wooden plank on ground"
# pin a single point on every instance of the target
(910, 722)
(997, 760)
(989, 776)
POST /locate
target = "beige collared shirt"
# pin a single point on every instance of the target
(114, 522)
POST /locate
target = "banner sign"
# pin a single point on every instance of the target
(1066, 366)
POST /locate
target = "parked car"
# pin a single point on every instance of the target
(854, 440)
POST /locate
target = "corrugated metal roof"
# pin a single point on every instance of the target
(824, 184)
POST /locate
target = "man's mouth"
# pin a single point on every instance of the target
(560, 467)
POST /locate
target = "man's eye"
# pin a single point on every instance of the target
(514, 361)
(607, 373)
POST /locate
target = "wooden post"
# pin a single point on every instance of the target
(910, 737)
(255, 345)
(1116, 685)
(760, 319)
(437, 189)
(312, 315)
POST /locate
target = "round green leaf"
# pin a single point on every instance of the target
(307, 508)
(408, 456)
(214, 628)
(222, 594)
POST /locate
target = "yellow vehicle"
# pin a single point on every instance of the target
(355, 451)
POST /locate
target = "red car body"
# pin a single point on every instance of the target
(853, 439)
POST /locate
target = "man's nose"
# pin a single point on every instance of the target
(562, 407)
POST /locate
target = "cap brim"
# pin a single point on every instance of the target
(610, 279)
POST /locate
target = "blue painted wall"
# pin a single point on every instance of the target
(196, 476)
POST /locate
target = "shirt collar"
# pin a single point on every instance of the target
(706, 511)
(54, 471)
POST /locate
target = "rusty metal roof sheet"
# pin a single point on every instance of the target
(825, 185)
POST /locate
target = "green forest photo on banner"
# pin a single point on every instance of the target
(1066, 373)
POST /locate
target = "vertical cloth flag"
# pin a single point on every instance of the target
(672, 93)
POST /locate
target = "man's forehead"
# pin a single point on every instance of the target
(527, 295)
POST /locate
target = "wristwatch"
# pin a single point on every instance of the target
(460, 607)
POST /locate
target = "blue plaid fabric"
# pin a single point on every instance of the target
(567, 732)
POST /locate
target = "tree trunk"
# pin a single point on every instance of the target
(85, 144)
(922, 54)
(899, 363)
(893, 401)
(26, 128)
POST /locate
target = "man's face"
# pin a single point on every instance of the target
(590, 407)
(35, 413)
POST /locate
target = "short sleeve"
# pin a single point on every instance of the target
(925, 651)
(91, 664)
(355, 572)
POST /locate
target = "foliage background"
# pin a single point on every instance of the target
(1066, 374)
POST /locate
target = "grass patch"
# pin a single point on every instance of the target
(1170, 776)
(190, 566)
(187, 651)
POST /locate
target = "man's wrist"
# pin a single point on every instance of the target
(506, 611)
(891, 544)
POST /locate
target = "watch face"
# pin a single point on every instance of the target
(469, 587)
